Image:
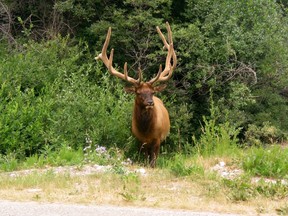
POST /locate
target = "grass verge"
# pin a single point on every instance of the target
(179, 182)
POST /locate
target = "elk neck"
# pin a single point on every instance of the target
(144, 118)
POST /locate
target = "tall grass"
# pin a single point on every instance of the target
(268, 162)
(181, 165)
(217, 138)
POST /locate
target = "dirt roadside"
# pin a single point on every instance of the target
(89, 186)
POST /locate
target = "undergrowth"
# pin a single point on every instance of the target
(271, 162)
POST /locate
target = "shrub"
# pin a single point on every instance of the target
(49, 99)
(180, 131)
(241, 42)
(23, 122)
(27, 79)
(264, 134)
(216, 138)
(84, 112)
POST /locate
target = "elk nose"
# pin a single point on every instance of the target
(150, 103)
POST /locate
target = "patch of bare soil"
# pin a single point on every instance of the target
(231, 173)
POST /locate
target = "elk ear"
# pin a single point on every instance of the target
(159, 88)
(131, 89)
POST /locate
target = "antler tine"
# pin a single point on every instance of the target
(162, 37)
(105, 46)
(140, 75)
(108, 61)
(169, 33)
(125, 71)
(157, 76)
(171, 41)
(168, 70)
(166, 45)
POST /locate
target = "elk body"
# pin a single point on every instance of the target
(150, 122)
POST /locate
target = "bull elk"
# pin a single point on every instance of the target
(150, 122)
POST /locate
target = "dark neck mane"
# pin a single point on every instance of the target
(144, 119)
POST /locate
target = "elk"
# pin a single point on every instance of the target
(150, 121)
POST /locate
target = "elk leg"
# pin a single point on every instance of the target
(144, 149)
(154, 151)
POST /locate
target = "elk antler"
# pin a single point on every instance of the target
(108, 62)
(168, 70)
(161, 75)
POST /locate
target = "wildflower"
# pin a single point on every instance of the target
(100, 149)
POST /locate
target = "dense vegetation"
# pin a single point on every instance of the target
(230, 85)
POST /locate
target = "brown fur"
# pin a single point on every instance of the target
(150, 124)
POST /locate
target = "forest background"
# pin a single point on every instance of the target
(231, 79)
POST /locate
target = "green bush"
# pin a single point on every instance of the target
(84, 112)
(180, 131)
(217, 138)
(242, 42)
(23, 122)
(27, 78)
(49, 99)
(263, 134)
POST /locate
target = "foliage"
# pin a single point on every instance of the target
(265, 134)
(241, 189)
(181, 165)
(53, 93)
(180, 130)
(180, 169)
(8, 162)
(131, 187)
(134, 34)
(268, 162)
(47, 99)
(217, 138)
(67, 156)
(224, 42)
(87, 113)
(25, 115)
(104, 156)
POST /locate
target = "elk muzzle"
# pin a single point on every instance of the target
(149, 104)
